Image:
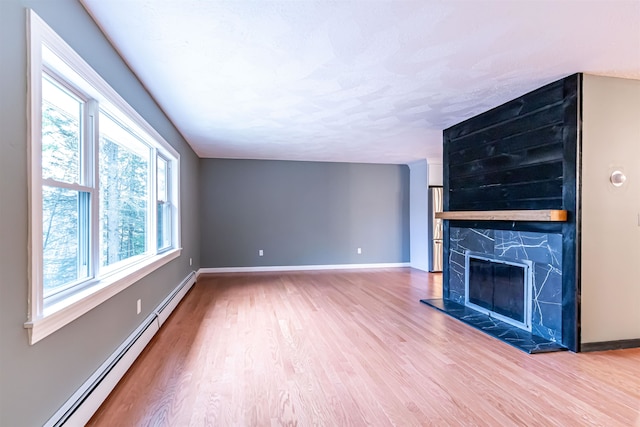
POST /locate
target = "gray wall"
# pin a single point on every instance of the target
(419, 215)
(610, 307)
(302, 213)
(36, 380)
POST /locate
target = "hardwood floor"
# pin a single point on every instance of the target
(355, 348)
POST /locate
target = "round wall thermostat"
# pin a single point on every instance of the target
(618, 178)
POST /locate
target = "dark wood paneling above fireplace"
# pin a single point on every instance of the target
(519, 156)
(510, 157)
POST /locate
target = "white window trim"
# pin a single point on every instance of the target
(43, 322)
(69, 309)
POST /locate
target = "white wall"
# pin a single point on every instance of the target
(610, 271)
(436, 174)
(418, 215)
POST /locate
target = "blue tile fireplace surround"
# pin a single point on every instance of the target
(544, 251)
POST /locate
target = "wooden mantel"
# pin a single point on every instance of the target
(514, 215)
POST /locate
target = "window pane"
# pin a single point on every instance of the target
(164, 205)
(61, 112)
(65, 238)
(164, 225)
(162, 179)
(124, 204)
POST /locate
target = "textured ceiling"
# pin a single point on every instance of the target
(355, 81)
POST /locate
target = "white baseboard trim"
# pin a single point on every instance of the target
(301, 268)
(81, 406)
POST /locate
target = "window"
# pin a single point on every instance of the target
(65, 200)
(163, 201)
(103, 192)
(125, 174)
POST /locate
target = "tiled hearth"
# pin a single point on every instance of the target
(544, 250)
(509, 334)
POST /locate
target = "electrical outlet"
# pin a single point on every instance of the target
(190, 261)
(260, 252)
(359, 251)
(139, 306)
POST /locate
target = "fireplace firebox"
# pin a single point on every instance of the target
(499, 287)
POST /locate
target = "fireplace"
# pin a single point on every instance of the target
(511, 184)
(506, 283)
(499, 287)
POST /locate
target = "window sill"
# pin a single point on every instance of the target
(64, 312)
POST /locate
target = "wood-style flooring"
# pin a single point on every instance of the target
(353, 348)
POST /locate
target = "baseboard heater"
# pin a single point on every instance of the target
(81, 406)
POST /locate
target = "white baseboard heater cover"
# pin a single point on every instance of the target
(81, 406)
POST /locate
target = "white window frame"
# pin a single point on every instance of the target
(44, 319)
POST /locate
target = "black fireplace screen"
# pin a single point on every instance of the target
(497, 287)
